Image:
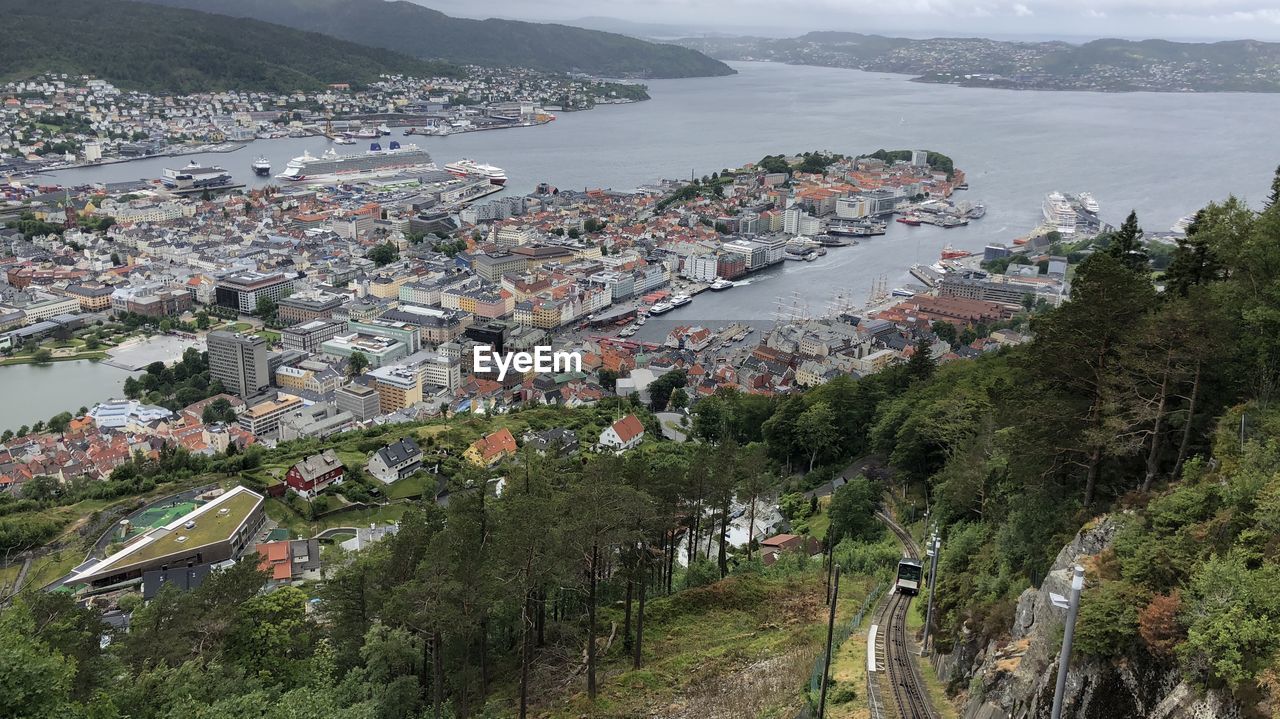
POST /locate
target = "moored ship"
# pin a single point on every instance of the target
(261, 166)
(470, 168)
(196, 177)
(332, 166)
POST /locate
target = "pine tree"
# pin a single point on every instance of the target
(1273, 199)
(1126, 244)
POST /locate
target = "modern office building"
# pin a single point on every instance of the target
(242, 290)
(359, 401)
(397, 388)
(308, 336)
(239, 361)
(308, 306)
(264, 418)
(379, 350)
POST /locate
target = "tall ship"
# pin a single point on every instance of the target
(469, 168)
(261, 166)
(1071, 214)
(332, 166)
(196, 177)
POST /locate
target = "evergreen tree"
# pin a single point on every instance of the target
(1127, 246)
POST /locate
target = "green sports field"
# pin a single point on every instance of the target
(159, 516)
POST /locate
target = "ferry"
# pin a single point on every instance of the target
(343, 140)
(680, 300)
(469, 168)
(368, 133)
(261, 166)
(332, 166)
(720, 285)
(661, 308)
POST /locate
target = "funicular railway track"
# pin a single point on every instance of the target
(910, 699)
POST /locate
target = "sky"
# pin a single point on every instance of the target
(1004, 19)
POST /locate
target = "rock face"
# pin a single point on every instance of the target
(1015, 678)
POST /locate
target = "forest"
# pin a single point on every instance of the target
(1147, 396)
(159, 49)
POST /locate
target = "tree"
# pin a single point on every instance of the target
(1273, 198)
(115, 259)
(1079, 411)
(42, 355)
(1127, 246)
(946, 332)
(384, 254)
(852, 512)
(37, 678)
(59, 422)
(266, 308)
(816, 430)
(921, 364)
(357, 364)
(219, 410)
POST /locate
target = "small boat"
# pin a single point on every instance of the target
(383, 129)
(902, 292)
(640, 320)
(628, 331)
(343, 140)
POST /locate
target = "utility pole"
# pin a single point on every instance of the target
(1068, 632)
(831, 630)
(934, 545)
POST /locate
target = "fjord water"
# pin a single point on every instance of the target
(1162, 154)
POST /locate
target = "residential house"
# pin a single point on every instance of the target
(395, 461)
(623, 434)
(312, 475)
(491, 449)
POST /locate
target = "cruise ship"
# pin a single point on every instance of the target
(262, 166)
(1071, 214)
(196, 177)
(377, 161)
(469, 168)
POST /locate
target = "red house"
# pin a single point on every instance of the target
(310, 476)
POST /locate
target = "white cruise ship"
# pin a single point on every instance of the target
(469, 168)
(331, 166)
(1071, 214)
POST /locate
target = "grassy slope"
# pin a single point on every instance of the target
(141, 46)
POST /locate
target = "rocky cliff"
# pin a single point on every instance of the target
(1014, 678)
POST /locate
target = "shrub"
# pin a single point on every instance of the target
(1108, 621)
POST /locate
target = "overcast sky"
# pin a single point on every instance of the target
(1030, 19)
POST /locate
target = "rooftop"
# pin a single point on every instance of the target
(212, 525)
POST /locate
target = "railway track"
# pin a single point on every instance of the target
(907, 686)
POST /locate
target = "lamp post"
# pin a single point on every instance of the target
(1073, 608)
(934, 545)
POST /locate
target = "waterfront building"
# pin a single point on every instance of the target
(239, 361)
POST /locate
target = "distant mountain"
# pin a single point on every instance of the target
(1105, 65)
(423, 32)
(144, 47)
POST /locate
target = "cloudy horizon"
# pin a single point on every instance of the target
(1198, 20)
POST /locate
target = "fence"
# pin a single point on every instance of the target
(842, 633)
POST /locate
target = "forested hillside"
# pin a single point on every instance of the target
(422, 32)
(145, 47)
(1148, 396)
